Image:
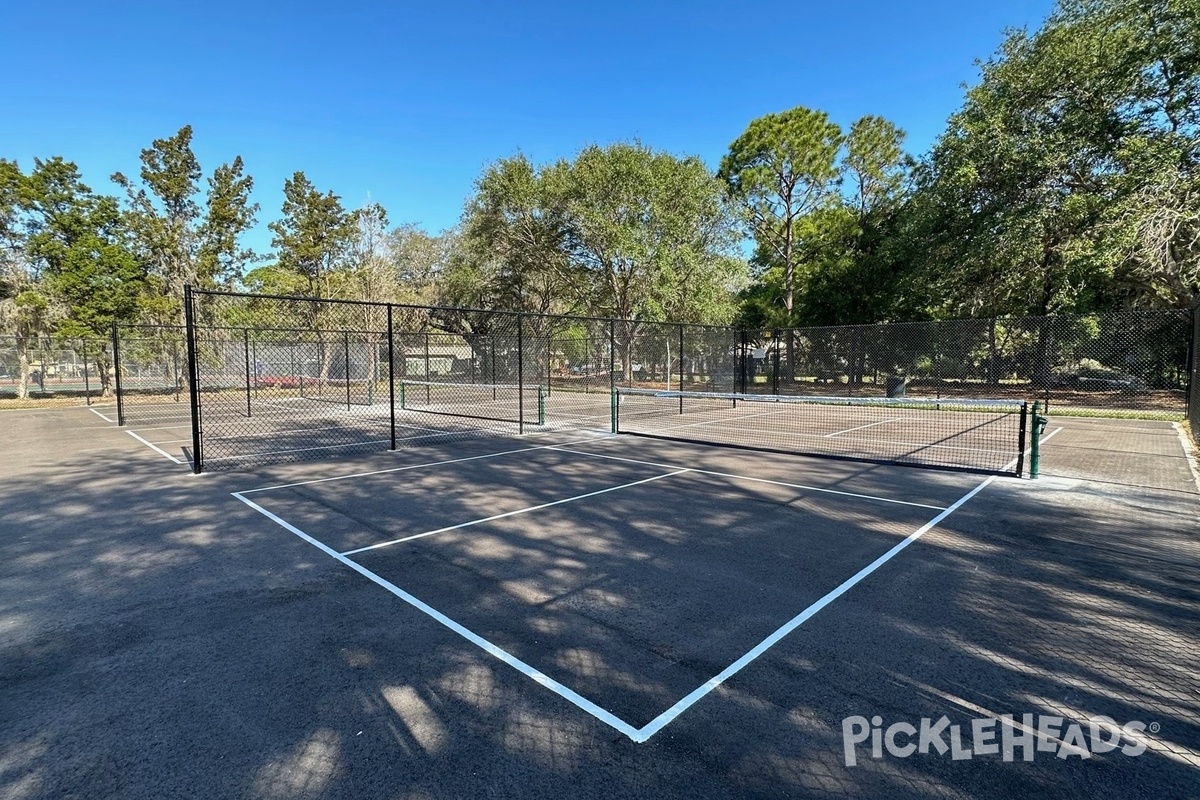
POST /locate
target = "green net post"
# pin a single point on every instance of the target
(1035, 448)
(541, 404)
(613, 409)
(402, 388)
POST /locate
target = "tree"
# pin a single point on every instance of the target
(179, 242)
(782, 168)
(78, 244)
(515, 243)
(315, 240)
(314, 237)
(855, 272)
(648, 234)
(1056, 187)
(228, 214)
(419, 261)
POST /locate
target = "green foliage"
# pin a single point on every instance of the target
(843, 267)
(620, 230)
(1068, 181)
(179, 242)
(782, 168)
(649, 234)
(80, 246)
(228, 214)
(314, 236)
(515, 252)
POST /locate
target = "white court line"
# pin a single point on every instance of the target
(186, 439)
(860, 427)
(642, 734)
(408, 467)
(663, 719)
(562, 691)
(153, 447)
(187, 425)
(731, 476)
(98, 414)
(513, 513)
(1189, 453)
(219, 428)
(1029, 450)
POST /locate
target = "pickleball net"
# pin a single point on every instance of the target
(973, 435)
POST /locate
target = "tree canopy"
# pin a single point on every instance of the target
(1068, 181)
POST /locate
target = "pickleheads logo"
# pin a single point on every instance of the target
(1001, 736)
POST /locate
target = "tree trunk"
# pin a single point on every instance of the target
(22, 369)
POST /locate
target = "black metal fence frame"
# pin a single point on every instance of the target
(737, 360)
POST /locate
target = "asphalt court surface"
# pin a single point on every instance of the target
(630, 574)
(164, 639)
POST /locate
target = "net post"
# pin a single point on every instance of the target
(1021, 438)
(1035, 447)
(520, 373)
(254, 360)
(346, 364)
(542, 392)
(193, 378)
(391, 379)
(614, 413)
(116, 343)
(246, 356)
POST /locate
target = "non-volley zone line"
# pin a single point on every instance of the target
(495, 517)
(644, 733)
(733, 477)
(422, 465)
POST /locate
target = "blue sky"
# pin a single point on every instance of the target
(406, 103)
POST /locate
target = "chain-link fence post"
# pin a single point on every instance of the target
(193, 379)
(392, 377)
(116, 343)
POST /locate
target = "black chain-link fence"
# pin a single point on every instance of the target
(1194, 378)
(282, 378)
(150, 368)
(1123, 364)
(41, 369)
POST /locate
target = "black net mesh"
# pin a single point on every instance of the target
(978, 435)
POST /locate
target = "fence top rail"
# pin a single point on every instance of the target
(457, 309)
(1042, 319)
